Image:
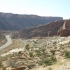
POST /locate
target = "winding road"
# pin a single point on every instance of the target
(23, 42)
(9, 41)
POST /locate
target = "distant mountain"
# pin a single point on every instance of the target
(9, 21)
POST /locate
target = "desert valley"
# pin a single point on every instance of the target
(31, 42)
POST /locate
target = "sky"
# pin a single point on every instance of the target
(59, 8)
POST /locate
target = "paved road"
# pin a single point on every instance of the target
(23, 42)
(9, 41)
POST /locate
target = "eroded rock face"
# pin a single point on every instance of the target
(65, 30)
(67, 24)
(42, 31)
(61, 28)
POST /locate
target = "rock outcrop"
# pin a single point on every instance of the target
(65, 30)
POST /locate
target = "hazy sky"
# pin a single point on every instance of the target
(38, 7)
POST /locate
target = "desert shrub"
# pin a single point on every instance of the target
(49, 69)
(35, 42)
(67, 54)
(27, 47)
(38, 53)
(0, 64)
(53, 58)
(31, 54)
(19, 52)
(53, 51)
(46, 62)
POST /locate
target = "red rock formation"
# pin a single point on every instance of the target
(67, 24)
(65, 30)
(42, 31)
(61, 27)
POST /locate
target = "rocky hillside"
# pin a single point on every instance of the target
(41, 31)
(9, 21)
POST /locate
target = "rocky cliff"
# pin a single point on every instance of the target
(61, 28)
(65, 29)
(49, 29)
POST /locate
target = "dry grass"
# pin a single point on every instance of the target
(18, 43)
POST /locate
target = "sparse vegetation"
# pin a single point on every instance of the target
(42, 54)
(31, 54)
(27, 47)
(35, 42)
(49, 69)
(0, 63)
(53, 51)
(67, 54)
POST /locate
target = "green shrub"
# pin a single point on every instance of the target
(31, 54)
(53, 58)
(38, 53)
(53, 51)
(27, 47)
(46, 62)
(0, 64)
(35, 42)
(67, 54)
(49, 69)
